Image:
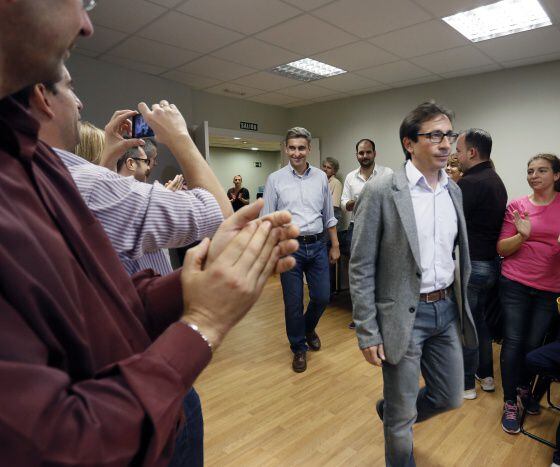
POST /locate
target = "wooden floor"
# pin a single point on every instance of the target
(258, 412)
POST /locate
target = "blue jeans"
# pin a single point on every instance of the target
(312, 259)
(189, 444)
(484, 275)
(435, 350)
(528, 313)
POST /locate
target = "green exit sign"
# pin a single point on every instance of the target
(248, 126)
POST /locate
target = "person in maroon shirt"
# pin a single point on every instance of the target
(94, 365)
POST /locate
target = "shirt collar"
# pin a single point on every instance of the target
(70, 159)
(479, 167)
(415, 177)
(24, 127)
(359, 175)
(294, 172)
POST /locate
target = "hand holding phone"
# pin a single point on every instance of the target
(168, 124)
(140, 129)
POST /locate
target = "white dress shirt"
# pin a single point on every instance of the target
(354, 184)
(436, 223)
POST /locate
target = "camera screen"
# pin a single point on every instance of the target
(140, 128)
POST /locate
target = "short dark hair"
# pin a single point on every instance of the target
(554, 162)
(298, 132)
(333, 162)
(426, 111)
(23, 95)
(129, 154)
(50, 86)
(365, 139)
(480, 140)
(150, 147)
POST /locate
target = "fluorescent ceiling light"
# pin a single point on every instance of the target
(307, 69)
(236, 137)
(499, 19)
(254, 149)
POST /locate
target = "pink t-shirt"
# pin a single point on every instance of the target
(537, 262)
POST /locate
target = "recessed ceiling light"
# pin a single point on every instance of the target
(236, 137)
(244, 142)
(307, 69)
(499, 19)
(254, 149)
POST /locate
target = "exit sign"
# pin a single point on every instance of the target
(248, 126)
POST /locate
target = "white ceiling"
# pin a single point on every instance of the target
(227, 46)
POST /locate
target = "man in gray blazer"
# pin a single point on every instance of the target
(402, 278)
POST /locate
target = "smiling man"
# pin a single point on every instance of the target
(401, 280)
(304, 191)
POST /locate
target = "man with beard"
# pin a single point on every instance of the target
(136, 163)
(354, 183)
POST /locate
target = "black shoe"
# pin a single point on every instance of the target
(299, 363)
(531, 406)
(352, 325)
(380, 407)
(313, 341)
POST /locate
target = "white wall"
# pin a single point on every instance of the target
(226, 112)
(520, 107)
(104, 87)
(226, 163)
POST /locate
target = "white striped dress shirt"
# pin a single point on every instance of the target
(141, 219)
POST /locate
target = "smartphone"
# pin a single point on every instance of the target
(140, 129)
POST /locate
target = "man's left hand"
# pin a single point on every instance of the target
(334, 254)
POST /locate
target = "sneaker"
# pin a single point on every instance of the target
(487, 384)
(469, 394)
(526, 401)
(510, 418)
(379, 407)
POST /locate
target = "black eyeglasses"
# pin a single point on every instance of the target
(437, 136)
(147, 161)
(89, 4)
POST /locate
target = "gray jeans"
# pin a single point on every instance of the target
(435, 349)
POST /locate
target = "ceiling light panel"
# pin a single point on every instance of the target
(499, 19)
(307, 69)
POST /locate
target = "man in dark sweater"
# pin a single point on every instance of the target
(484, 203)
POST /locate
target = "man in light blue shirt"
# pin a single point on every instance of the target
(304, 191)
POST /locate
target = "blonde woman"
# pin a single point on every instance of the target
(92, 142)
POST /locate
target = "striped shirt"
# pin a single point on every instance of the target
(140, 218)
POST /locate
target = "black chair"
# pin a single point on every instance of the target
(542, 384)
(541, 381)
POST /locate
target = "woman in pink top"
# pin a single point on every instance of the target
(530, 282)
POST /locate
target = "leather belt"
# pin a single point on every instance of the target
(310, 238)
(436, 295)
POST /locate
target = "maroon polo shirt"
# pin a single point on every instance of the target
(92, 369)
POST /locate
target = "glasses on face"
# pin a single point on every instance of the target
(437, 136)
(89, 4)
(148, 162)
